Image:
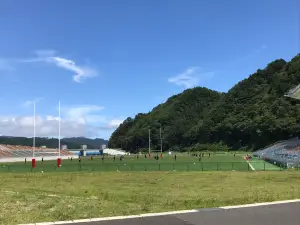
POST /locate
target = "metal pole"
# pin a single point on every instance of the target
(149, 141)
(160, 140)
(33, 149)
(58, 129)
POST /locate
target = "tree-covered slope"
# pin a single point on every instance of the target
(252, 114)
(176, 116)
(255, 112)
(92, 143)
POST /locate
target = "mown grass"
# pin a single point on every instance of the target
(130, 163)
(41, 197)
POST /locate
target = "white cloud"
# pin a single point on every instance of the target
(48, 127)
(50, 57)
(82, 120)
(52, 118)
(81, 72)
(85, 114)
(30, 102)
(115, 123)
(45, 127)
(191, 77)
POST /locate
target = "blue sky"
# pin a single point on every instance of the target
(107, 60)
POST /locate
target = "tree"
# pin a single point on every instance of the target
(252, 114)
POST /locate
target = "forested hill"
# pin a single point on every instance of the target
(252, 114)
(72, 143)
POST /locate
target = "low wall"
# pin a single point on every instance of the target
(22, 159)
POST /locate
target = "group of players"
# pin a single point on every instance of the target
(122, 157)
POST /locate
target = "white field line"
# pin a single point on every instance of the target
(163, 213)
(53, 195)
(252, 168)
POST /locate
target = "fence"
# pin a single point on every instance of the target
(74, 166)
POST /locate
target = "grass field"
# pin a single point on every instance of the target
(37, 197)
(222, 162)
(261, 165)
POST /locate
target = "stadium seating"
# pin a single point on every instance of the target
(17, 151)
(284, 153)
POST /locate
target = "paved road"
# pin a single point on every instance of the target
(280, 214)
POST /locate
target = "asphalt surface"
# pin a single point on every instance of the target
(279, 214)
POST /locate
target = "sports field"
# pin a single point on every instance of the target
(258, 164)
(207, 162)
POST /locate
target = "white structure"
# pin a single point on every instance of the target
(64, 147)
(103, 147)
(294, 93)
(83, 147)
(110, 151)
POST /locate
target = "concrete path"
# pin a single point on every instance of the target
(287, 213)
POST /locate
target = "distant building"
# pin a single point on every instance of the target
(43, 146)
(83, 147)
(64, 147)
(103, 147)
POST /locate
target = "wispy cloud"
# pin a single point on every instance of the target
(5, 65)
(7, 69)
(45, 52)
(191, 77)
(51, 57)
(85, 114)
(29, 103)
(114, 123)
(248, 56)
(81, 72)
(261, 48)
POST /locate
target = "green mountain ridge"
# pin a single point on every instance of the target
(251, 115)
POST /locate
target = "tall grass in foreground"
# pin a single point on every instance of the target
(37, 197)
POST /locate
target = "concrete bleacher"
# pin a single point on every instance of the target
(285, 153)
(12, 153)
